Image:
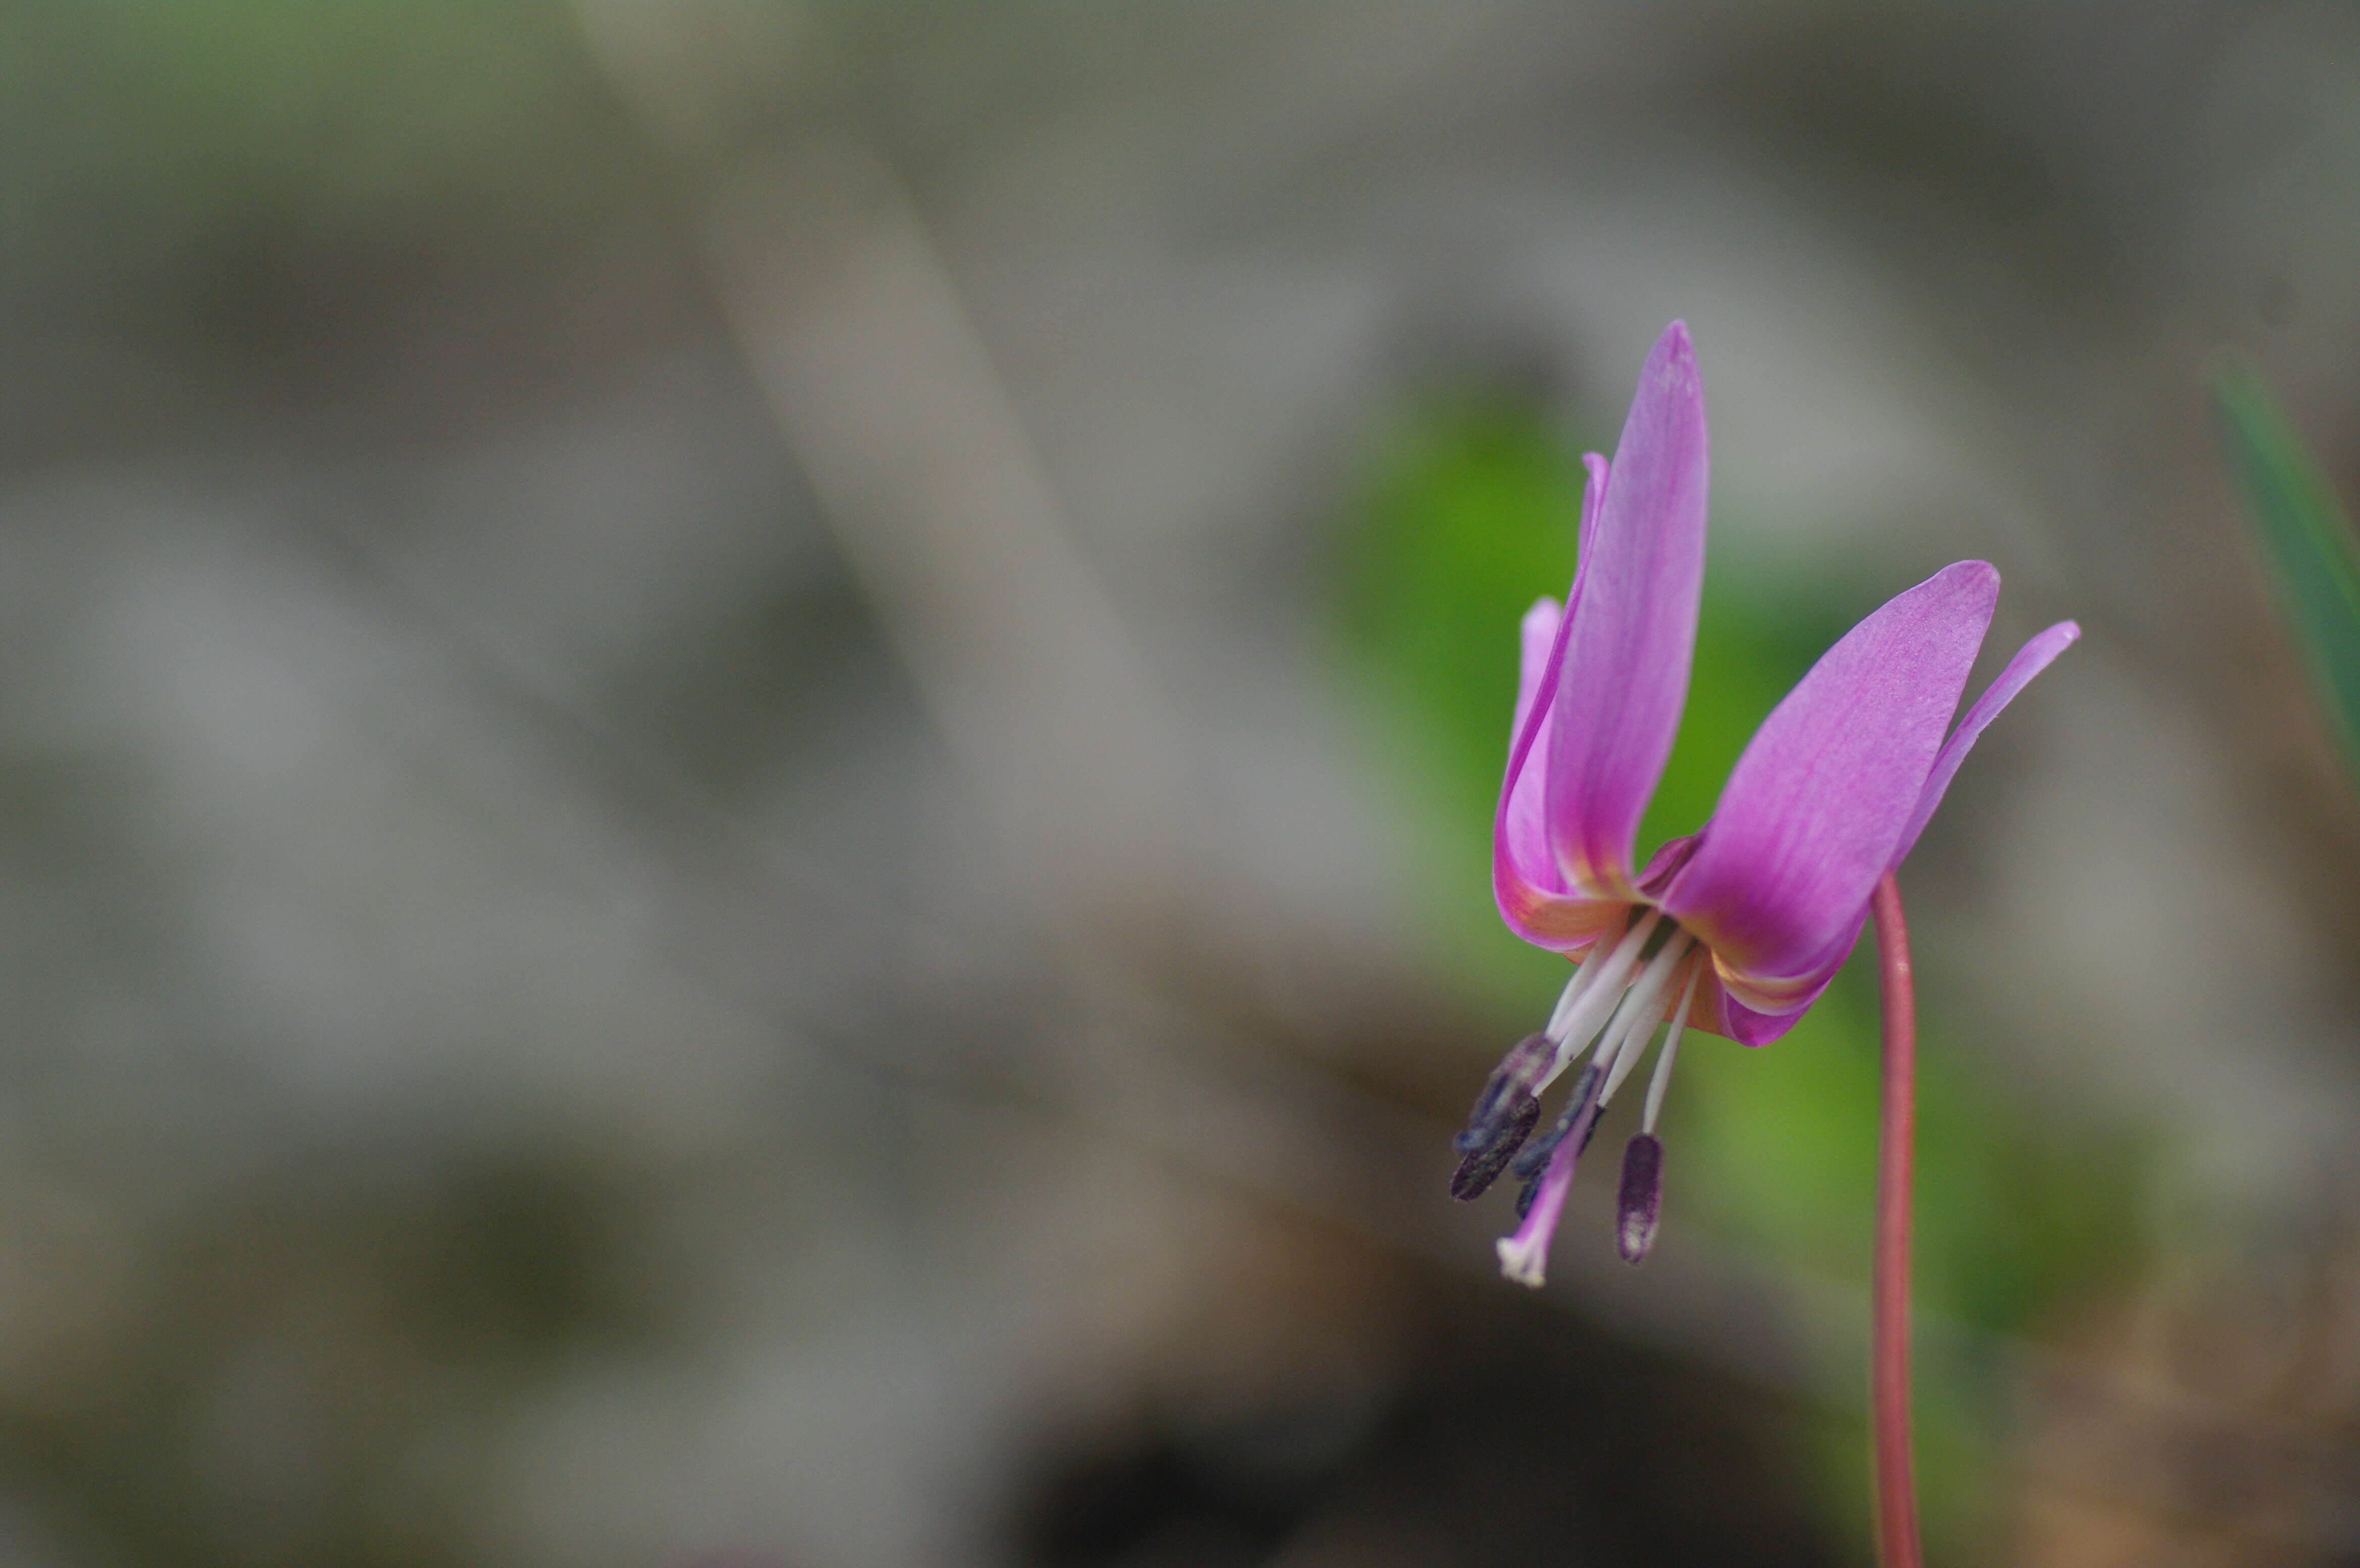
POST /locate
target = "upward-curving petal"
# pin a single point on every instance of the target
(1717, 1012)
(1532, 898)
(1817, 806)
(1520, 839)
(1525, 880)
(1536, 640)
(1593, 497)
(2031, 660)
(1631, 628)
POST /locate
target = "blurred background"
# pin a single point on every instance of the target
(746, 755)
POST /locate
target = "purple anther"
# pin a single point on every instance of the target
(1642, 1199)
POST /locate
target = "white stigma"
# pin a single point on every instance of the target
(1524, 1259)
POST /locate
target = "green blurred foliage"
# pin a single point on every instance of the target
(2306, 537)
(1471, 512)
(1470, 516)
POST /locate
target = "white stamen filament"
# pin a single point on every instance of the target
(1596, 1000)
(1583, 972)
(1646, 1004)
(1630, 1042)
(1663, 1078)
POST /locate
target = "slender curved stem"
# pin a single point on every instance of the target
(1896, 1492)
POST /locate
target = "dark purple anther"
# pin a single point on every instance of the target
(1580, 1111)
(1642, 1198)
(1482, 1165)
(1502, 1101)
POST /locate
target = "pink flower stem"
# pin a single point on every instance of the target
(1897, 1493)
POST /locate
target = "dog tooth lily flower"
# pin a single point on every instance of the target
(1737, 928)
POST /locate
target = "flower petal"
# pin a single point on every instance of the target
(1524, 881)
(1719, 1013)
(2031, 660)
(1540, 648)
(1631, 628)
(1815, 808)
(1537, 640)
(1594, 497)
(1519, 836)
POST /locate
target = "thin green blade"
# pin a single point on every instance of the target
(2306, 537)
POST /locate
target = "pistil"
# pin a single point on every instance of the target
(1615, 1001)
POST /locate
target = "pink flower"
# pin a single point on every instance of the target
(1737, 928)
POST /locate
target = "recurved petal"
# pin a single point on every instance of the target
(1532, 897)
(2031, 660)
(1593, 497)
(1520, 838)
(1524, 883)
(1813, 811)
(1537, 637)
(1631, 628)
(1774, 1009)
